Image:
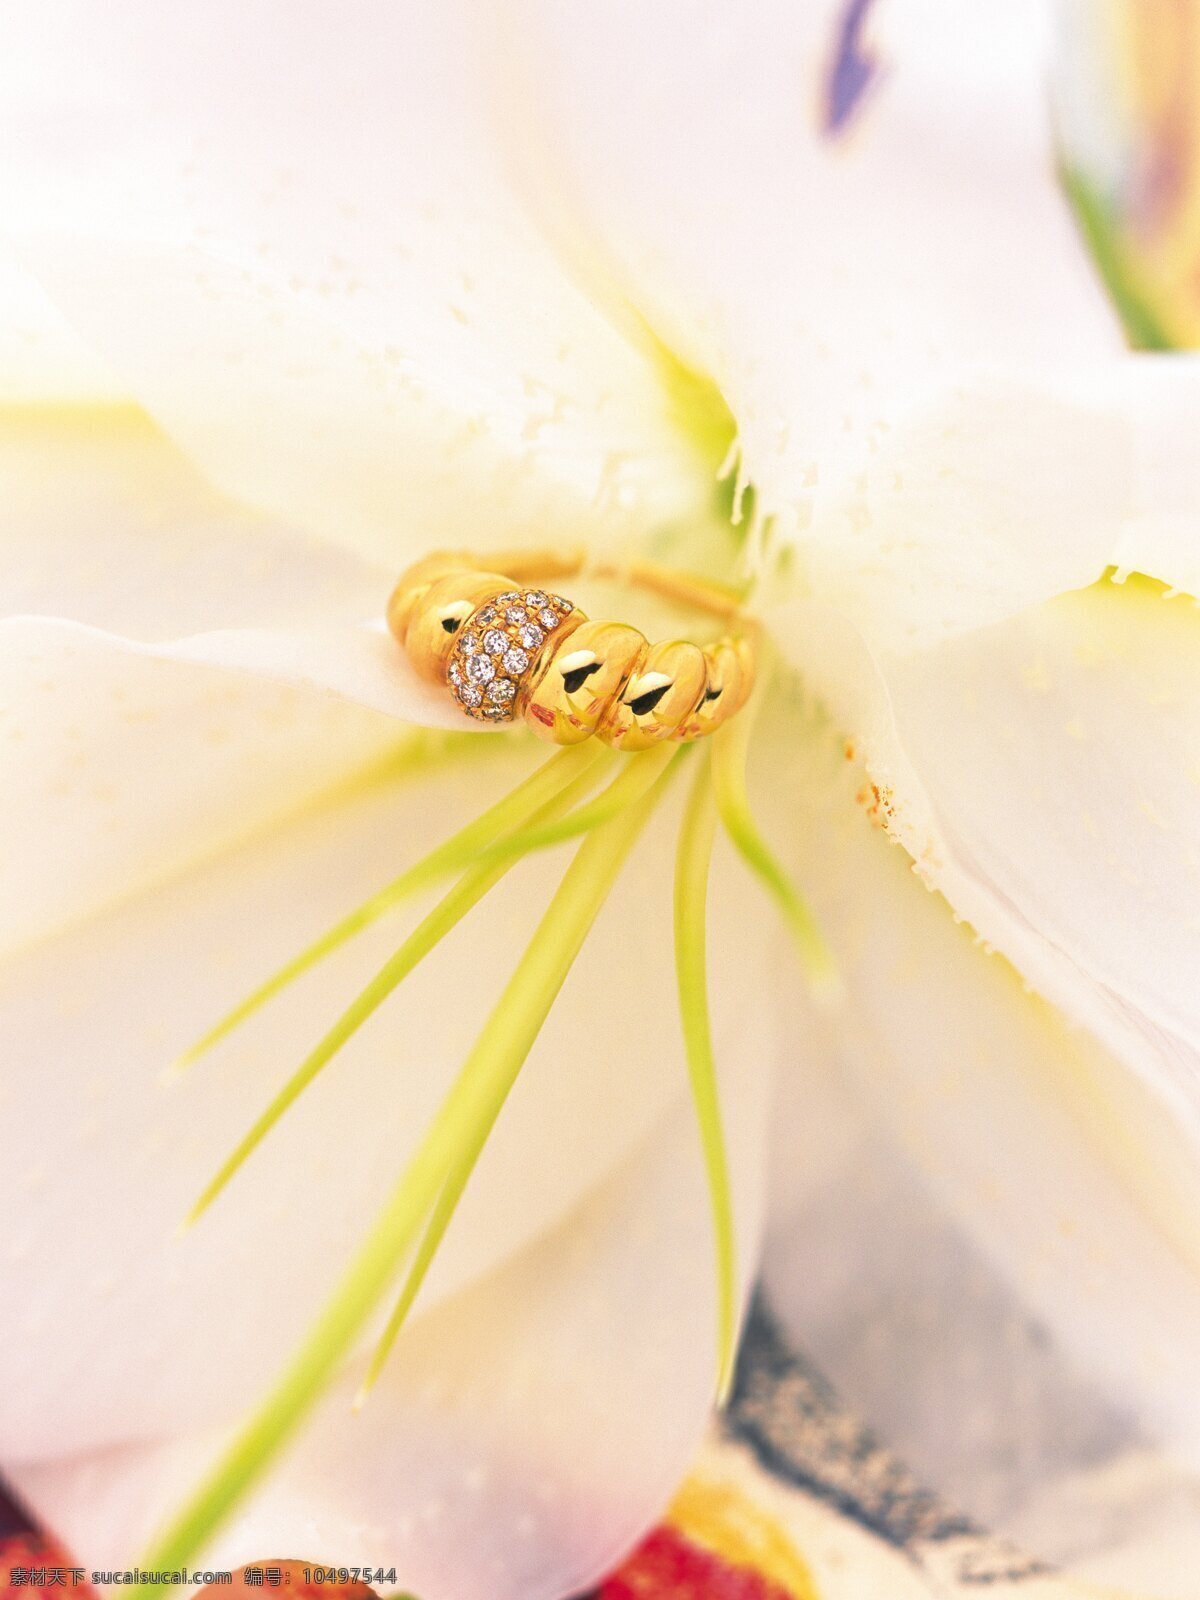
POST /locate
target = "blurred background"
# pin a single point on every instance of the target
(1126, 95)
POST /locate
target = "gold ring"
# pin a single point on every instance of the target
(509, 647)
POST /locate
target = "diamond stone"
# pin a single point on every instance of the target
(502, 691)
(469, 695)
(515, 660)
(503, 599)
(535, 600)
(494, 641)
(488, 614)
(531, 636)
(470, 644)
(455, 673)
(549, 619)
(516, 614)
(481, 669)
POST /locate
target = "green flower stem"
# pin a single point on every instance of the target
(513, 810)
(474, 1100)
(446, 915)
(691, 895)
(729, 748)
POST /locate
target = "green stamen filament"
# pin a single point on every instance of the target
(691, 894)
(474, 1100)
(435, 1231)
(513, 810)
(729, 749)
(651, 769)
(445, 916)
(636, 777)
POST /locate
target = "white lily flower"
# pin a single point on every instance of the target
(397, 279)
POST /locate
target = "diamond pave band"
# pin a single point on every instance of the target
(496, 650)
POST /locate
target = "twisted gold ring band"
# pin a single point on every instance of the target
(509, 648)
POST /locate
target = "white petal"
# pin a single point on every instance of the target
(930, 389)
(110, 1160)
(125, 766)
(1161, 395)
(1061, 757)
(831, 283)
(1001, 491)
(525, 1433)
(361, 664)
(190, 697)
(984, 1227)
(994, 492)
(41, 357)
(1043, 775)
(318, 280)
(102, 520)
